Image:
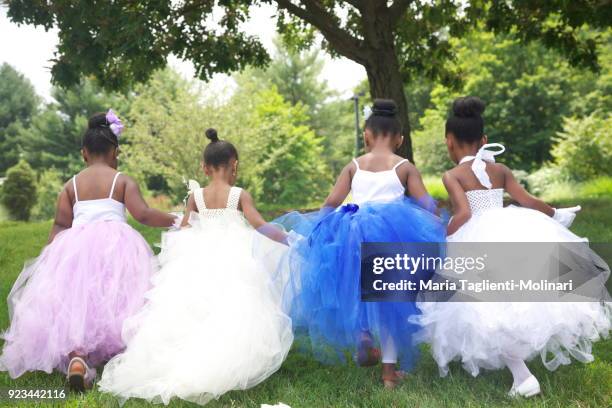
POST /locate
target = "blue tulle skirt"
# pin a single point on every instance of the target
(323, 289)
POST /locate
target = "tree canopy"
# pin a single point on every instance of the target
(18, 104)
(127, 41)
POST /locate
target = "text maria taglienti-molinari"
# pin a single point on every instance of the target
(460, 265)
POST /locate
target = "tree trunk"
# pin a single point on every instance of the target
(386, 81)
(382, 65)
(376, 51)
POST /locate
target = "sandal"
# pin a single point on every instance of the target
(77, 380)
(367, 355)
(392, 381)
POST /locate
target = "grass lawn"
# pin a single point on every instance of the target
(302, 382)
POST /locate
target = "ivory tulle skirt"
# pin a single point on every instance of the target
(213, 322)
(75, 297)
(481, 335)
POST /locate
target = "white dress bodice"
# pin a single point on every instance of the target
(484, 199)
(230, 210)
(102, 209)
(369, 186)
(490, 197)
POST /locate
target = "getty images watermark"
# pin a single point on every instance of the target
(485, 272)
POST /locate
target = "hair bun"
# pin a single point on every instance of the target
(211, 134)
(97, 120)
(384, 107)
(468, 107)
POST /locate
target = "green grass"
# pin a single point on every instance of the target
(302, 382)
(4, 216)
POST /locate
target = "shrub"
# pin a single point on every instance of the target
(522, 177)
(435, 187)
(544, 178)
(597, 188)
(19, 191)
(48, 188)
(584, 147)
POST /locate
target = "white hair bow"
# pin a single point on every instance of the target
(479, 166)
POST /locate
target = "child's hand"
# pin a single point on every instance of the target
(565, 216)
(178, 219)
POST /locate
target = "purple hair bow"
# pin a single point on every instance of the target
(114, 123)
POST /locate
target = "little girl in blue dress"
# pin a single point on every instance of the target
(324, 286)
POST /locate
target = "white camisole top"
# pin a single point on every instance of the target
(101, 209)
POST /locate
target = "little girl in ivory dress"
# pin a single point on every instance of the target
(213, 321)
(493, 335)
(68, 305)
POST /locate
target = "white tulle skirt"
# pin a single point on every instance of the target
(483, 335)
(212, 322)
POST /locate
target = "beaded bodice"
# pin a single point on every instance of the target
(484, 199)
(231, 208)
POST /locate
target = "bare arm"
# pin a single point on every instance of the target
(63, 215)
(416, 188)
(459, 201)
(257, 221)
(521, 196)
(341, 189)
(141, 211)
(414, 183)
(191, 207)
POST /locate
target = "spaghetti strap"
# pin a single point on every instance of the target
(356, 163)
(399, 164)
(76, 195)
(112, 190)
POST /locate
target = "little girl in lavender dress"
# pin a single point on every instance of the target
(68, 305)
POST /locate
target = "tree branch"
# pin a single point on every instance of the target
(316, 15)
(355, 3)
(398, 9)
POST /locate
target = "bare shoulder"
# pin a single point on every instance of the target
(125, 178)
(68, 186)
(128, 182)
(397, 158)
(68, 190)
(452, 176)
(501, 168)
(245, 197)
(351, 167)
(403, 164)
(245, 201)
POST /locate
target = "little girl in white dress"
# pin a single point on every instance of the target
(494, 335)
(213, 321)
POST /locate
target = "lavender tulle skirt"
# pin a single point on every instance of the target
(75, 297)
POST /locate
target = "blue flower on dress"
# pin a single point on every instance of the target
(349, 208)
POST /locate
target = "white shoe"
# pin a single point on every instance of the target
(527, 388)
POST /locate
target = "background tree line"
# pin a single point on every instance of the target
(294, 133)
(398, 42)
